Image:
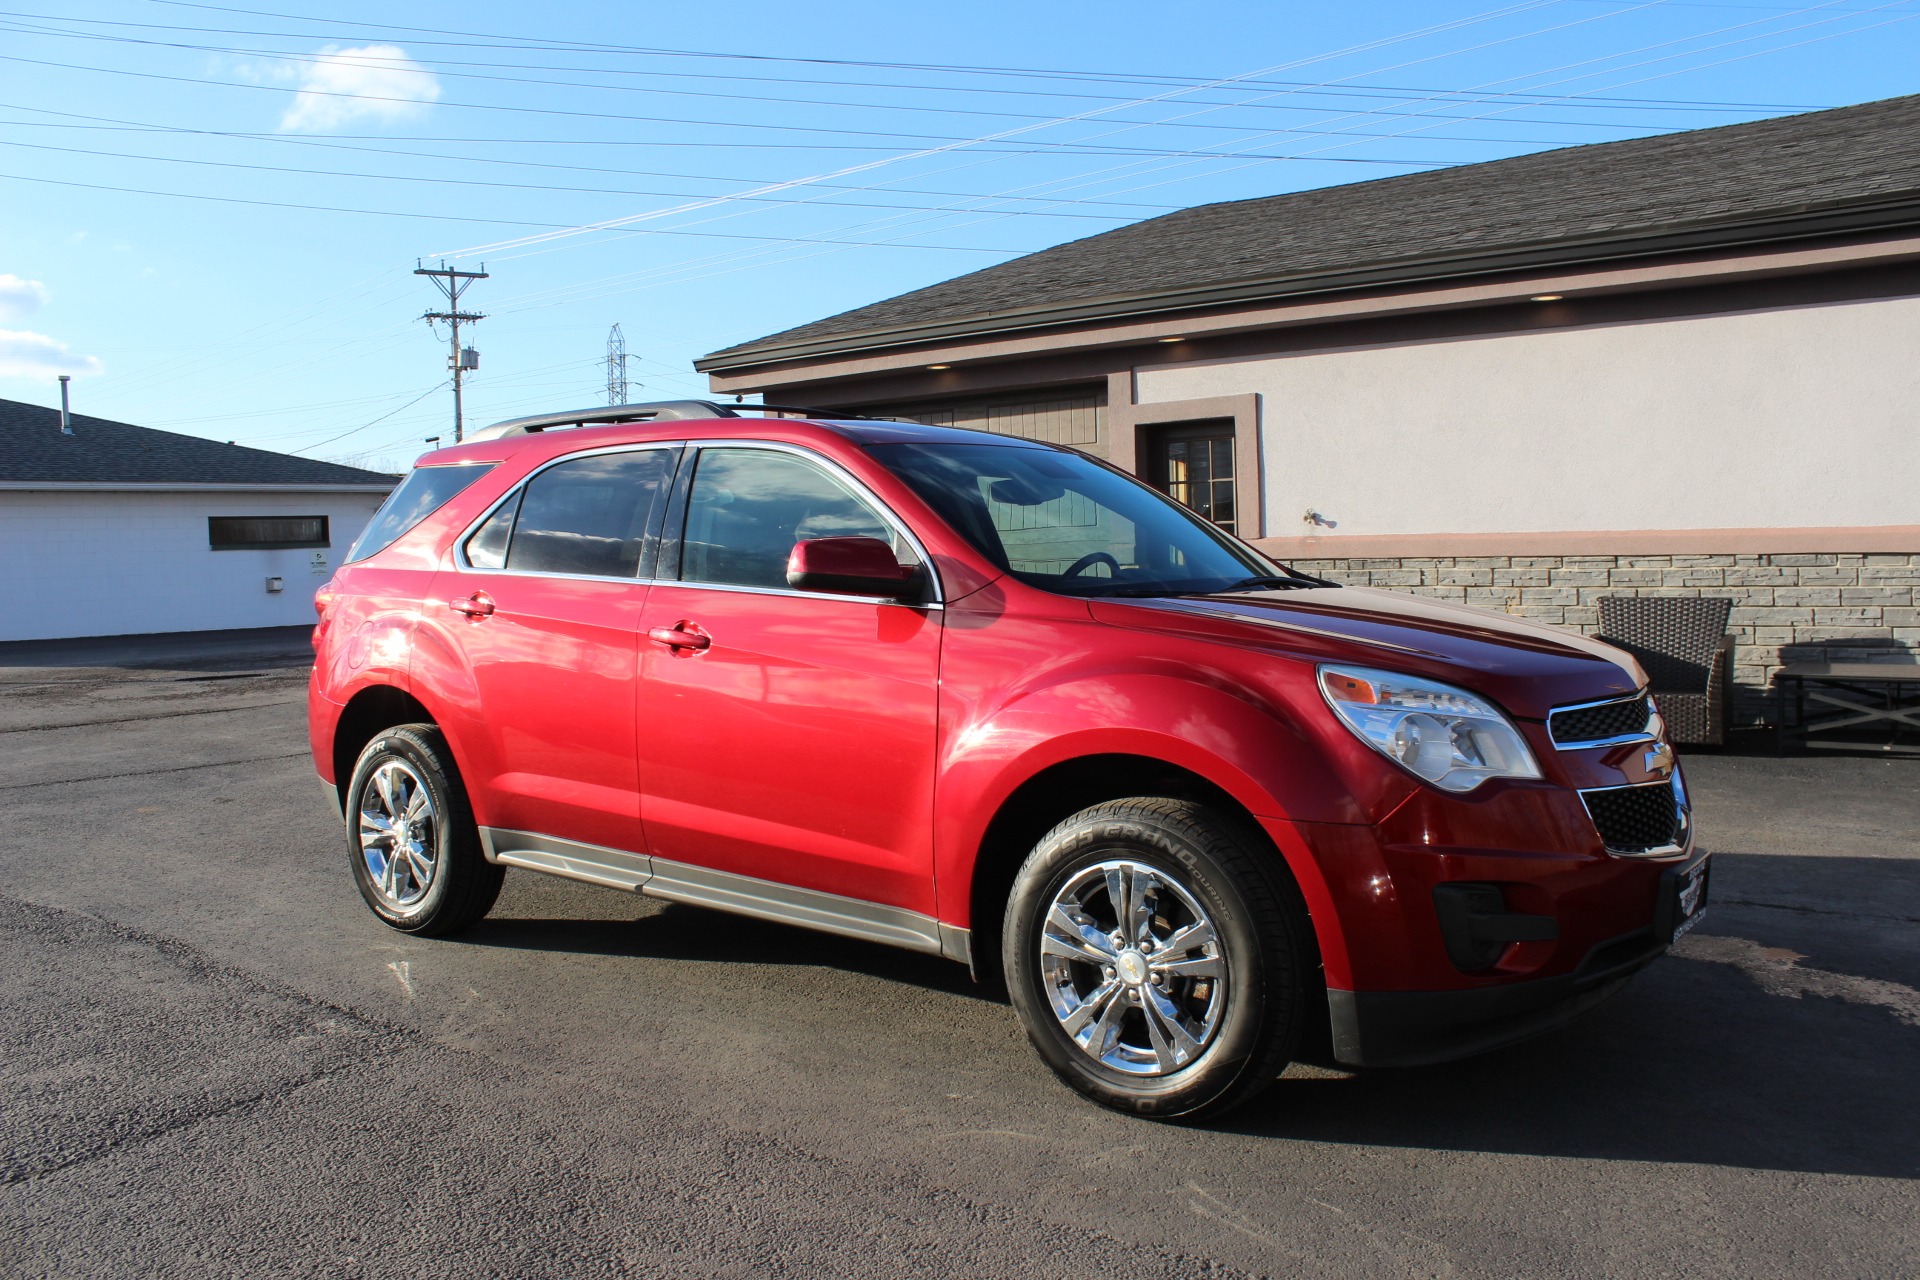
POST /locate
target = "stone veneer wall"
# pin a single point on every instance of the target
(1832, 607)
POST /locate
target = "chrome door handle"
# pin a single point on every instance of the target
(681, 636)
(476, 606)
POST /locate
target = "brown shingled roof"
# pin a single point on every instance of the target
(101, 451)
(1847, 169)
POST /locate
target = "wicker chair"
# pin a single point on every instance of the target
(1682, 642)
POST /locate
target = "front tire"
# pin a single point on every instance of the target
(411, 840)
(1159, 955)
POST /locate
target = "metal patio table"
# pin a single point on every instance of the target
(1843, 695)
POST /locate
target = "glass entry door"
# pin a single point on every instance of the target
(1193, 464)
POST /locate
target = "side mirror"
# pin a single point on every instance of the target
(851, 566)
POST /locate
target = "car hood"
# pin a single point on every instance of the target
(1527, 667)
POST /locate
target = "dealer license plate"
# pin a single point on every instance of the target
(1693, 900)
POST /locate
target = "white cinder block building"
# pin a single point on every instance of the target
(123, 530)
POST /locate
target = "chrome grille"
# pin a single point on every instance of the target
(1638, 819)
(1599, 722)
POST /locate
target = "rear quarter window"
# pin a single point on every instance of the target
(421, 494)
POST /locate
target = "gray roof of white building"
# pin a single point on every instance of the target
(104, 452)
(1821, 173)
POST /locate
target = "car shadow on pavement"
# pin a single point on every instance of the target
(1784, 1034)
(677, 931)
(1759, 1082)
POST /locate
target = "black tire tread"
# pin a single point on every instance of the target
(1277, 909)
(473, 883)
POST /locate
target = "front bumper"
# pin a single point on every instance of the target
(1416, 1028)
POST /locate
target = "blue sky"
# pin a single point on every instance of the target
(210, 214)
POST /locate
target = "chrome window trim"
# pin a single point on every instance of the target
(1682, 810)
(794, 593)
(726, 891)
(462, 565)
(1647, 734)
(860, 490)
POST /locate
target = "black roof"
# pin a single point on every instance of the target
(1819, 173)
(101, 451)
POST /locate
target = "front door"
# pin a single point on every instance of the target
(551, 639)
(787, 735)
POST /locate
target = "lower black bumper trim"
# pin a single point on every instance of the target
(1416, 1028)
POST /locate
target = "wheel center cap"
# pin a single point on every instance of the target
(1132, 968)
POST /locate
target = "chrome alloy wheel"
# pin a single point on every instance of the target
(399, 830)
(1133, 968)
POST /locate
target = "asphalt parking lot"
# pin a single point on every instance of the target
(214, 1061)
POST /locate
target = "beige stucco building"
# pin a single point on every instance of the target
(1682, 364)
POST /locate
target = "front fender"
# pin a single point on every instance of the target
(1192, 718)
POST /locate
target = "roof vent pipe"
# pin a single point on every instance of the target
(66, 419)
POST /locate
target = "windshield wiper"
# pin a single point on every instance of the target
(1267, 582)
(1260, 582)
(1138, 590)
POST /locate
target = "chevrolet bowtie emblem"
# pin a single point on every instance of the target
(1659, 759)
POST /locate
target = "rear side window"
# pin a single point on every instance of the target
(419, 496)
(588, 516)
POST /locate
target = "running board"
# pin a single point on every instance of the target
(725, 891)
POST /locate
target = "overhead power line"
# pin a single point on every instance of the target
(376, 422)
(948, 142)
(497, 222)
(1001, 135)
(496, 186)
(509, 41)
(111, 124)
(411, 63)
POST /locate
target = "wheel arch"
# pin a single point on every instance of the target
(370, 711)
(1059, 791)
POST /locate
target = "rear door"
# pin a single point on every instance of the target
(793, 739)
(551, 587)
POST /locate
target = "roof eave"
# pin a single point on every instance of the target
(1902, 212)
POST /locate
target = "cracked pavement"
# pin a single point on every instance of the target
(215, 1062)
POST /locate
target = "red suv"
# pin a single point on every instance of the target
(997, 701)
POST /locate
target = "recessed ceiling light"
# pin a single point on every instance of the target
(939, 366)
(1173, 339)
(1547, 297)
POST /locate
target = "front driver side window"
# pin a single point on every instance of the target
(748, 507)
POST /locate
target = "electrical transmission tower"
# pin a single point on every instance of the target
(462, 360)
(616, 366)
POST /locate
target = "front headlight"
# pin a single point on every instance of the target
(1454, 739)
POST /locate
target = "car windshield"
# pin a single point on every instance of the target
(1065, 523)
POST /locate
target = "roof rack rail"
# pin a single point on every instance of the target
(655, 411)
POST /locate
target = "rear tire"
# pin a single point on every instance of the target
(1159, 954)
(411, 840)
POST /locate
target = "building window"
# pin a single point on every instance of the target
(1193, 465)
(261, 533)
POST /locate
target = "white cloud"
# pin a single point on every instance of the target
(35, 355)
(372, 82)
(20, 297)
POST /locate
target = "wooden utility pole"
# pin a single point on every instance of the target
(462, 360)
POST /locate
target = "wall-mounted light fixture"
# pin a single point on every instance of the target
(1173, 339)
(1547, 297)
(939, 366)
